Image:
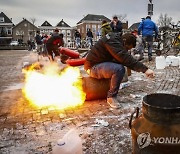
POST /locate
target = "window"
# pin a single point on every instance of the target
(3, 32)
(87, 26)
(68, 33)
(64, 32)
(94, 28)
(9, 31)
(1, 19)
(99, 27)
(17, 32)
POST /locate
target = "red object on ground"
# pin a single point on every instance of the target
(68, 52)
(76, 62)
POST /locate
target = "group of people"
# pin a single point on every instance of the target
(48, 45)
(88, 40)
(144, 34)
(114, 26)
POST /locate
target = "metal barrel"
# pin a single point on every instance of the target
(95, 88)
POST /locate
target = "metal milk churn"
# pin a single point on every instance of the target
(157, 129)
(98, 88)
(95, 89)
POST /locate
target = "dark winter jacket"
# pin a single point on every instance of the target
(77, 34)
(89, 34)
(117, 28)
(105, 28)
(38, 39)
(110, 49)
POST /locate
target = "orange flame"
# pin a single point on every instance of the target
(51, 88)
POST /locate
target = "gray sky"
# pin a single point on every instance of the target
(73, 10)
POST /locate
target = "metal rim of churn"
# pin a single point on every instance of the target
(162, 108)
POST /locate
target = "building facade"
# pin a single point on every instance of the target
(24, 31)
(92, 22)
(47, 28)
(6, 26)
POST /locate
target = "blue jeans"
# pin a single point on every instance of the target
(149, 40)
(109, 70)
(78, 41)
(90, 41)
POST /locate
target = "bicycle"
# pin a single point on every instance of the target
(86, 43)
(168, 44)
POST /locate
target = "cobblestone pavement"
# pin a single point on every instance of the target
(28, 130)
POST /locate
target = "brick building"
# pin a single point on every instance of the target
(93, 22)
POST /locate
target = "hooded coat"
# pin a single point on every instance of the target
(105, 29)
(110, 49)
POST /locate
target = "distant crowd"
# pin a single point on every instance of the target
(145, 34)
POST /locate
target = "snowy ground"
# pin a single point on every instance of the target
(28, 130)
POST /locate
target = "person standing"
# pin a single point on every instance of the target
(147, 27)
(139, 49)
(44, 40)
(107, 58)
(56, 32)
(77, 37)
(39, 42)
(116, 25)
(90, 37)
(105, 28)
(29, 43)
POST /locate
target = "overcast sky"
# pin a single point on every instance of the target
(72, 11)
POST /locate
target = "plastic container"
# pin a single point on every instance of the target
(70, 144)
(160, 62)
(175, 61)
(168, 61)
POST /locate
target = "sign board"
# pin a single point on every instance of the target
(150, 9)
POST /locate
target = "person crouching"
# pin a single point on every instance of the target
(52, 45)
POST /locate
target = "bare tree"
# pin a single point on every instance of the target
(33, 20)
(164, 20)
(122, 17)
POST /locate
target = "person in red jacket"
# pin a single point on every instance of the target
(52, 45)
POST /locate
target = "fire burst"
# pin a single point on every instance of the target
(54, 88)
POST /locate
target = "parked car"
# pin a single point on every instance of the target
(14, 43)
